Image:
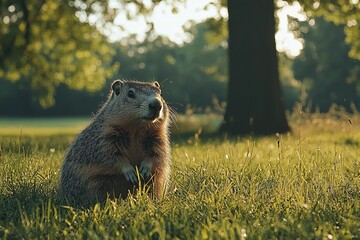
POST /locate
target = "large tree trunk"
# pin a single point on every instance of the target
(255, 103)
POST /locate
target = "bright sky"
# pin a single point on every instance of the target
(285, 39)
(166, 22)
(170, 24)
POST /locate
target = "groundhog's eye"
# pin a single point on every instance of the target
(131, 94)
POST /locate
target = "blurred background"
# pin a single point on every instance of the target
(58, 58)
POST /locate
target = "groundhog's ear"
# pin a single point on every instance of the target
(156, 84)
(116, 86)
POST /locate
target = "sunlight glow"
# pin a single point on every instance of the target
(285, 39)
(170, 23)
(166, 21)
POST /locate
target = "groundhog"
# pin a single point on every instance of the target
(126, 144)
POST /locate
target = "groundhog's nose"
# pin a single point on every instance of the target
(155, 105)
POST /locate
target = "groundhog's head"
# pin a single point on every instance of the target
(138, 101)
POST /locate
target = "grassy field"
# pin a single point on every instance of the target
(52, 126)
(301, 185)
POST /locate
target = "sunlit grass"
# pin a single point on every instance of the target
(51, 126)
(305, 184)
(41, 126)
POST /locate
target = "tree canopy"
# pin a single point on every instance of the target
(344, 12)
(327, 71)
(50, 43)
(46, 43)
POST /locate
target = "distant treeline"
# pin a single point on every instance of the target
(194, 75)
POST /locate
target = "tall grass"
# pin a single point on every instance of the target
(304, 185)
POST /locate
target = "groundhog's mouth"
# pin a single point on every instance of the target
(152, 116)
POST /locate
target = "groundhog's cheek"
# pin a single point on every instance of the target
(133, 112)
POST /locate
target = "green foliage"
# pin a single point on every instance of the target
(344, 12)
(17, 99)
(302, 186)
(194, 73)
(46, 44)
(330, 75)
(291, 87)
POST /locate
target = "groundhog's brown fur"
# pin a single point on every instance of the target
(129, 132)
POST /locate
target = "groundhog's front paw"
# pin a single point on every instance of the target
(130, 174)
(145, 169)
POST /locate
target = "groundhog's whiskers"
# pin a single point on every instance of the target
(173, 116)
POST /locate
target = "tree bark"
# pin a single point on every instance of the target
(255, 103)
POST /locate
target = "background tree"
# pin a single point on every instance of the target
(49, 43)
(193, 73)
(254, 97)
(255, 103)
(344, 12)
(198, 62)
(330, 75)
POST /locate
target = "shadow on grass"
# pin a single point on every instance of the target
(40, 212)
(13, 203)
(36, 211)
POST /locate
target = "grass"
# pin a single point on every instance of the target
(41, 126)
(303, 185)
(70, 125)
